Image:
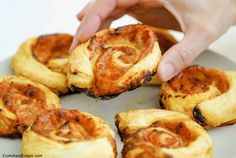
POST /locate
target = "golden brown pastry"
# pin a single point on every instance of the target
(44, 59)
(165, 40)
(21, 100)
(155, 133)
(114, 61)
(208, 96)
(69, 133)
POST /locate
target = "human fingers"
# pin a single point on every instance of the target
(92, 20)
(83, 12)
(182, 54)
(98, 16)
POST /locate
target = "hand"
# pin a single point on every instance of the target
(202, 22)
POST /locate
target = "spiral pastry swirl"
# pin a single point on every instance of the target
(154, 133)
(44, 59)
(69, 133)
(21, 100)
(114, 61)
(208, 96)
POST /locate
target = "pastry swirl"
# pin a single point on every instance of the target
(208, 96)
(44, 59)
(21, 100)
(155, 133)
(114, 61)
(69, 133)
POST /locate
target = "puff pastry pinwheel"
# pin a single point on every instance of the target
(165, 40)
(44, 59)
(21, 100)
(69, 133)
(156, 133)
(208, 96)
(114, 61)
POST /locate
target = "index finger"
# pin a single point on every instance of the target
(92, 21)
(102, 11)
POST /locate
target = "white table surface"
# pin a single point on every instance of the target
(25, 18)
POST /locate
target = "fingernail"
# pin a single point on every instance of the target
(167, 71)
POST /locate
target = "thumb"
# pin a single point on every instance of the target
(182, 54)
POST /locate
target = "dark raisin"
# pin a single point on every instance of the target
(199, 117)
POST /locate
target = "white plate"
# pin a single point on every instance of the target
(224, 138)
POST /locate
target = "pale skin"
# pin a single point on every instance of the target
(201, 21)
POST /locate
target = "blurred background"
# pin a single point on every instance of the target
(21, 19)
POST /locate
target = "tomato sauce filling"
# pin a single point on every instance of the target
(180, 132)
(159, 135)
(65, 126)
(25, 101)
(196, 79)
(51, 46)
(119, 50)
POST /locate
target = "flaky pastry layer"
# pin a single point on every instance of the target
(156, 133)
(44, 59)
(69, 133)
(208, 96)
(114, 61)
(21, 100)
